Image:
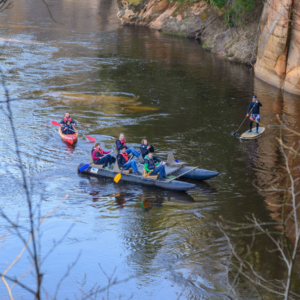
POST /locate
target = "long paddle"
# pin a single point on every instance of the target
(234, 133)
(88, 137)
(85, 125)
(87, 165)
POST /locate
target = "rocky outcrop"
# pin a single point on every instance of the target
(200, 21)
(278, 55)
(276, 52)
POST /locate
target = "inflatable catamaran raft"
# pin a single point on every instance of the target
(176, 169)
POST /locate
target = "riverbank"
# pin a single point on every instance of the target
(200, 21)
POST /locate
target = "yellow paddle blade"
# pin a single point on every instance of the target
(117, 178)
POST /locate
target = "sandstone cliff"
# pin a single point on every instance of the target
(268, 36)
(278, 56)
(200, 21)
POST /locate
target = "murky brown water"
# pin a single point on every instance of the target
(199, 99)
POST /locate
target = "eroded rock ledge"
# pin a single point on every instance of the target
(268, 37)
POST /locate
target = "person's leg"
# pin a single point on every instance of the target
(133, 165)
(109, 158)
(133, 152)
(101, 161)
(257, 126)
(156, 158)
(251, 125)
(126, 166)
(257, 119)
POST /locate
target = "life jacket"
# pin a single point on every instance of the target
(99, 152)
(125, 155)
(123, 142)
(67, 119)
(150, 162)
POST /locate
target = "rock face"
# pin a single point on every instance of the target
(199, 21)
(278, 56)
(278, 46)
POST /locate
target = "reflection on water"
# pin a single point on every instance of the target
(146, 85)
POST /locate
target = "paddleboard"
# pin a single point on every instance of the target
(252, 135)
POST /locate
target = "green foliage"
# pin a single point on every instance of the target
(234, 10)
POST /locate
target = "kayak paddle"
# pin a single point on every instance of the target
(85, 125)
(87, 165)
(148, 174)
(117, 178)
(92, 139)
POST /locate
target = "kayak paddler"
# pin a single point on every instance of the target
(253, 111)
(68, 128)
(124, 163)
(66, 118)
(121, 142)
(155, 167)
(97, 155)
(146, 149)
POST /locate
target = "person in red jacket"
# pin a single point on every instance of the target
(121, 142)
(67, 118)
(99, 158)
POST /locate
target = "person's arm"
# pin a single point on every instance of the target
(118, 143)
(146, 167)
(106, 152)
(144, 151)
(156, 164)
(73, 121)
(151, 149)
(250, 106)
(94, 155)
(259, 104)
(119, 158)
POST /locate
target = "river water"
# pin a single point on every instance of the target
(164, 88)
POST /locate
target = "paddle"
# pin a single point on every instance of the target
(148, 174)
(92, 139)
(117, 177)
(87, 165)
(234, 133)
(85, 125)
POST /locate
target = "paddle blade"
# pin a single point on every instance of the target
(234, 133)
(92, 139)
(117, 177)
(47, 125)
(55, 123)
(176, 160)
(84, 167)
(86, 125)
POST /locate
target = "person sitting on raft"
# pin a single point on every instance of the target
(121, 142)
(254, 110)
(124, 163)
(156, 168)
(66, 118)
(99, 158)
(68, 128)
(146, 149)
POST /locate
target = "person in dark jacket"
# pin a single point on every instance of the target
(253, 112)
(155, 167)
(99, 158)
(66, 118)
(125, 164)
(121, 142)
(68, 128)
(146, 149)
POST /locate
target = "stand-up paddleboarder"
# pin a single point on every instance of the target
(253, 111)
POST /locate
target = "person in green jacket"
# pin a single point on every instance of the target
(156, 168)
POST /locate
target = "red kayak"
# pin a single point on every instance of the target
(69, 138)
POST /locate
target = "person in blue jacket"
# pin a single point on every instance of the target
(253, 112)
(121, 142)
